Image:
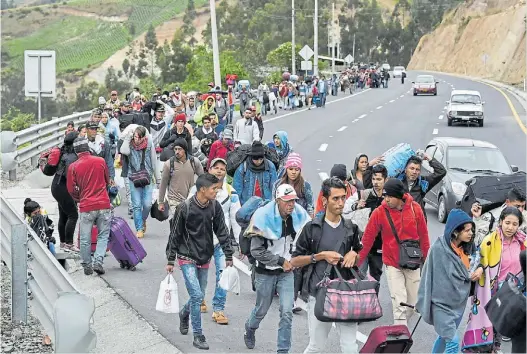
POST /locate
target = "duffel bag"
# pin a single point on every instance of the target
(507, 310)
(395, 158)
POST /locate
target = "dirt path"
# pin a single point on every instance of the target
(75, 12)
(165, 31)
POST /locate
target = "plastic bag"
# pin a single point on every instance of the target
(155, 195)
(167, 299)
(119, 181)
(230, 280)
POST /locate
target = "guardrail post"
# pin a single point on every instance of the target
(12, 175)
(19, 273)
(34, 161)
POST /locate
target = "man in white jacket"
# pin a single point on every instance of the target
(230, 203)
(246, 130)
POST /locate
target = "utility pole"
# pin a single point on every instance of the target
(293, 51)
(525, 78)
(215, 49)
(353, 52)
(333, 39)
(315, 44)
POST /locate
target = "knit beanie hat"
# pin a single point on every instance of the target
(257, 149)
(339, 171)
(180, 116)
(81, 145)
(394, 188)
(182, 143)
(294, 160)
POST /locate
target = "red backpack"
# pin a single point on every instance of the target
(49, 161)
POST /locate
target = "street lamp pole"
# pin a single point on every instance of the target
(215, 49)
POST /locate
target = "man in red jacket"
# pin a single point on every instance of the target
(410, 224)
(87, 182)
(220, 148)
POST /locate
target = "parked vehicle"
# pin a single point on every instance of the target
(463, 159)
(398, 71)
(425, 84)
(465, 106)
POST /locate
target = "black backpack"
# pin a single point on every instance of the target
(66, 159)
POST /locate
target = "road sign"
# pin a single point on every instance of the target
(40, 75)
(306, 53)
(348, 59)
(306, 65)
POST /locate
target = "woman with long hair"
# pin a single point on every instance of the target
(141, 157)
(500, 259)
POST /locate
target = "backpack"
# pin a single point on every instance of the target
(43, 227)
(238, 156)
(66, 160)
(243, 218)
(173, 158)
(48, 161)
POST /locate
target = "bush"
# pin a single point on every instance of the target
(15, 120)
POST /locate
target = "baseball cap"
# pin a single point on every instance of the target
(216, 160)
(92, 125)
(286, 192)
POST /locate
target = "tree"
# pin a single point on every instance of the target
(147, 54)
(188, 22)
(15, 120)
(87, 96)
(140, 71)
(151, 39)
(126, 65)
(113, 82)
(132, 29)
(281, 57)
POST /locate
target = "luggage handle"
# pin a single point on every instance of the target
(419, 320)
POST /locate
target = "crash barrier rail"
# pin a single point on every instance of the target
(38, 138)
(38, 280)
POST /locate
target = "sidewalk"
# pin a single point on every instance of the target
(119, 328)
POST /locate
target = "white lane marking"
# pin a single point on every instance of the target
(402, 96)
(305, 109)
(371, 111)
(342, 129)
(444, 108)
(392, 101)
(362, 116)
(441, 116)
(435, 131)
(241, 266)
(323, 176)
(355, 120)
(319, 160)
(331, 136)
(379, 107)
(323, 147)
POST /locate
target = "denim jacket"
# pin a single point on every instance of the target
(244, 181)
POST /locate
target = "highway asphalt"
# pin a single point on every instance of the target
(370, 121)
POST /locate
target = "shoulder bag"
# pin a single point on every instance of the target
(410, 254)
(140, 178)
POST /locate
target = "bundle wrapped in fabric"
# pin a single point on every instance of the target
(395, 158)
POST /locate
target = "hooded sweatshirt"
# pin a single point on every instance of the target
(445, 281)
(366, 175)
(204, 110)
(284, 150)
(409, 223)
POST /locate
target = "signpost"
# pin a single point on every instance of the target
(306, 53)
(349, 59)
(40, 75)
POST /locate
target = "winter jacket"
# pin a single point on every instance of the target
(409, 223)
(89, 174)
(171, 136)
(204, 110)
(284, 150)
(307, 243)
(366, 175)
(158, 129)
(200, 134)
(246, 131)
(221, 108)
(245, 179)
(424, 183)
(218, 149)
(230, 203)
(191, 235)
(102, 148)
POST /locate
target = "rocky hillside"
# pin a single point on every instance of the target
(482, 38)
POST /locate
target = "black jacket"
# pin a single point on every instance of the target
(191, 236)
(308, 241)
(171, 136)
(417, 191)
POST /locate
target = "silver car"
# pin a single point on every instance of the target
(465, 107)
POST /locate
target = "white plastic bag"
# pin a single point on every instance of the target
(167, 299)
(119, 181)
(155, 195)
(230, 280)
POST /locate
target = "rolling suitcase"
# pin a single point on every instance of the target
(124, 245)
(395, 158)
(491, 191)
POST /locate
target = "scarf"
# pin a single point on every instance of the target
(480, 332)
(254, 168)
(141, 145)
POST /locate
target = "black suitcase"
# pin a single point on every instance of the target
(491, 191)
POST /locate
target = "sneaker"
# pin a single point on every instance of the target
(203, 307)
(296, 308)
(200, 342)
(249, 337)
(62, 245)
(140, 234)
(505, 339)
(183, 322)
(220, 318)
(88, 270)
(98, 269)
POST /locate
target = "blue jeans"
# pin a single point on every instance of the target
(442, 345)
(220, 294)
(196, 284)
(230, 115)
(141, 204)
(266, 286)
(102, 219)
(322, 98)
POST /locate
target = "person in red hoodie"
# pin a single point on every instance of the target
(87, 182)
(221, 147)
(400, 213)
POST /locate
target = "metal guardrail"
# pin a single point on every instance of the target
(37, 276)
(40, 137)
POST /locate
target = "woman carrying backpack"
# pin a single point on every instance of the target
(68, 214)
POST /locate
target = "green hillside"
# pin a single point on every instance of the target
(82, 32)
